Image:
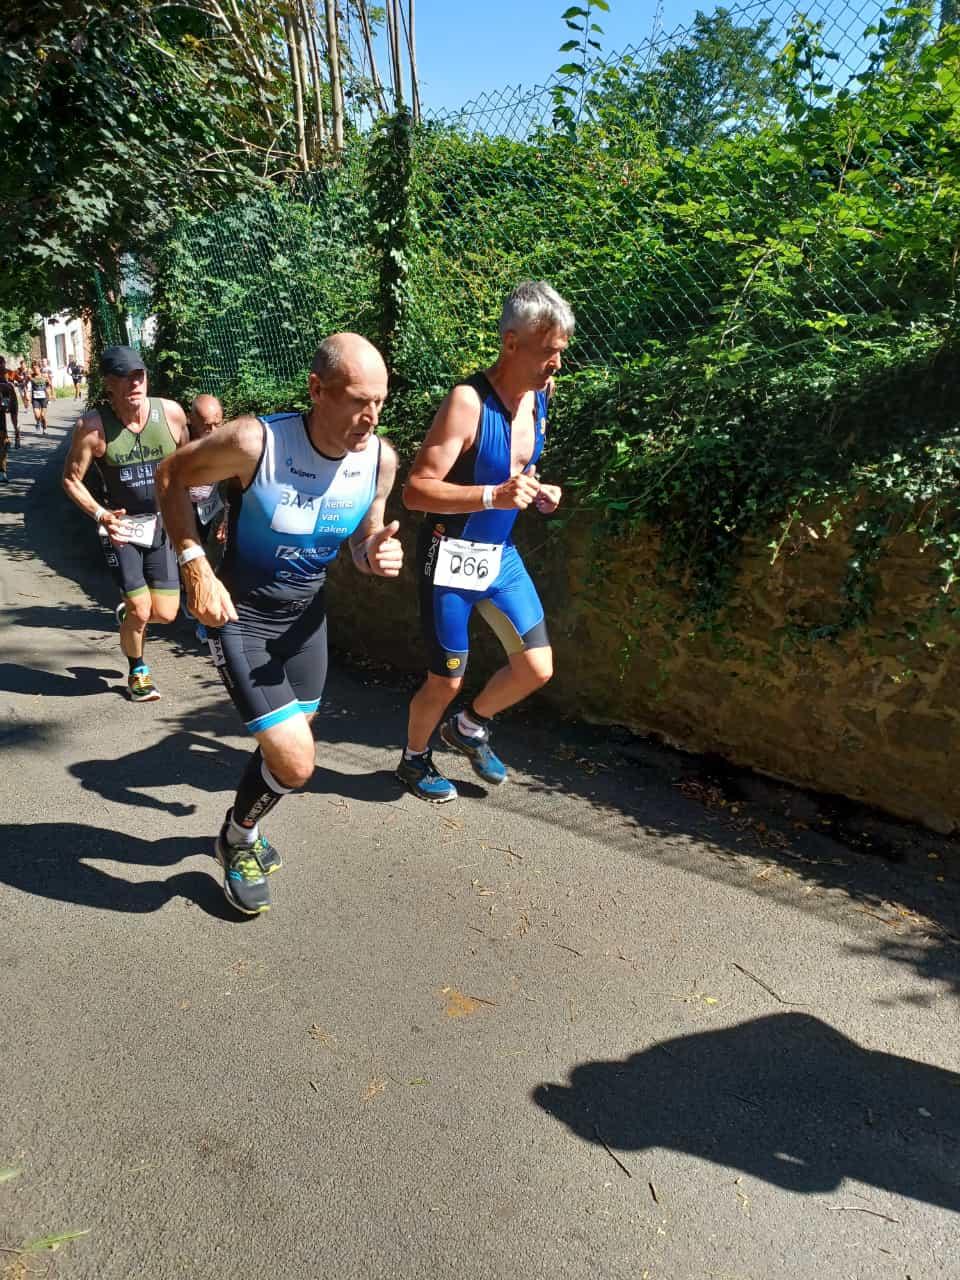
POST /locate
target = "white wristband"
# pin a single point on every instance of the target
(488, 493)
(99, 514)
(191, 553)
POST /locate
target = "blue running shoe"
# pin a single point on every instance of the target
(419, 776)
(485, 763)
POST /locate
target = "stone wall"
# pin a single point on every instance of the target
(873, 715)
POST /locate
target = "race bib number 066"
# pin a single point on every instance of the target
(140, 530)
(470, 566)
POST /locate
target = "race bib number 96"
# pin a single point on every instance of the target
(470, 566)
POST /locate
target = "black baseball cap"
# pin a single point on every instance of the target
(119, 361)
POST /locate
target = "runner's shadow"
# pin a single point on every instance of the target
(785, 1098)
(379, 787)
(81, 682)
(47, 859)
(181, 759)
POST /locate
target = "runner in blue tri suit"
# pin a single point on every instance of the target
(475, 472)
(300, 485)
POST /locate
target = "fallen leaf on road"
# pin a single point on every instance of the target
(9, 1173)
(376, 1086)
(460, 1005)
(52, 1243)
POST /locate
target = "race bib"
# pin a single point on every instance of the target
(208, 509)
(470, 566)
(140, 530)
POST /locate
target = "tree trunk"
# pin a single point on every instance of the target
(293, 41)
(412, 52)
(393, 40)
(310, 24)
(361, 6)
(333, 61)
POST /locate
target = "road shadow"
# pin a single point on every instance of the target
(79, 683)
(198, 757)
(48, 859)
(785, 1098)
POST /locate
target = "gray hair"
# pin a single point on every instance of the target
(328, 360)
(534, 304)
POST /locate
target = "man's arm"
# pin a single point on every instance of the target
(452, 432)
(87, 444)
(231, 452)
(374, 548)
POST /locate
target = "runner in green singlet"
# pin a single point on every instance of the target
(126, 438)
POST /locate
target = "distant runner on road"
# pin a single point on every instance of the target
(474, 474)
(126, 438)
(39, 384)
(23, 382)
(301, 484)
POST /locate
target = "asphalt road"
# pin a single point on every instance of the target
(595, 1024)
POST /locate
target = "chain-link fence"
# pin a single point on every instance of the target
(766, 177)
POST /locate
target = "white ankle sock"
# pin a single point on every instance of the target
(241, 835)
(468, 726)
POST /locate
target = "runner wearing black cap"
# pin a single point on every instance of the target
(127, 437)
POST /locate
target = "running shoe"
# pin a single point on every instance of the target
(484, 762)
(244, 884)
(141, 686)
(264, 852)
(419, 776)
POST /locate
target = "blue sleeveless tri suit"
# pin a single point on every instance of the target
(509, 604)
(283, 530)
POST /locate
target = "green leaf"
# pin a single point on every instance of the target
(52, 1243)
(8, 1173)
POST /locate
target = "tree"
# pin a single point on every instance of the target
(129, 112)
(722, 80)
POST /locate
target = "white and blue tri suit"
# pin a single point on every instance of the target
(508, 601)
(283, 530)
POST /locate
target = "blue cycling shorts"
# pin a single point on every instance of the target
(509, 605)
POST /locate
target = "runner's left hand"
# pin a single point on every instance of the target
(548, 499)
(384, 552)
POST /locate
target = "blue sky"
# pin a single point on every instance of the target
(464, 49)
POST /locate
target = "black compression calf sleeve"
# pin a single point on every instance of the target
(257, 794)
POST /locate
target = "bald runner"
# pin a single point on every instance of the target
(299, 485)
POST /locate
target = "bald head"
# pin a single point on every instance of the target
(345, 356)
(206, 413)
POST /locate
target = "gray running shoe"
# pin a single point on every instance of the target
(244, 884)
